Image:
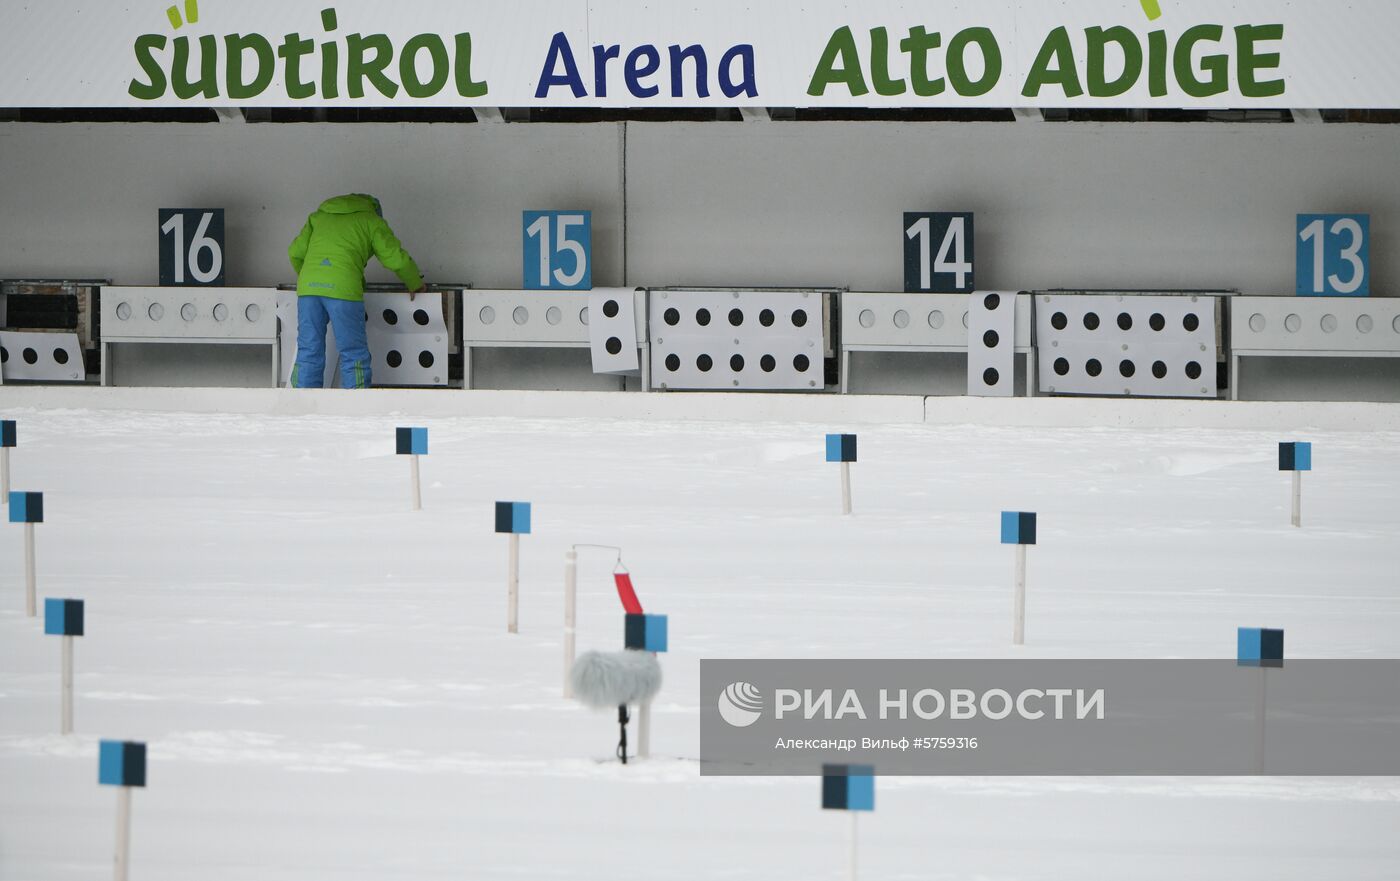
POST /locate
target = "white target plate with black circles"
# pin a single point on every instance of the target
(42, 357)
(737, 340)
(1142, 346)
(407, 339)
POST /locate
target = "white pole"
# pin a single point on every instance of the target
(1297, 498)
(1019, 612)
(570, 594)
(67, 720)
(1261, 714)
(513, 586)
(644, 731)
(854, 815)
(417, 487)
(845, 487)
(29, 604)
(5, 473)
(123, 831)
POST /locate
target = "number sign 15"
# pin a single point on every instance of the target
(191, 246)
(938, 252)
(558, 250)
(1334, 255)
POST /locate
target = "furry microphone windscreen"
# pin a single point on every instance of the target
(611, 679)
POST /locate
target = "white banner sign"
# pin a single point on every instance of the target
(718, 53)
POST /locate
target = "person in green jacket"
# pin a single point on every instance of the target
(329, 257)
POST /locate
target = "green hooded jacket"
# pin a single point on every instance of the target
(334, 247)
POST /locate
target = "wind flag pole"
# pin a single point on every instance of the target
(849, 788)
(842, 448)
(7, 440)
(28, 508)
(1261, 648)
(122, 764)
(413, 442)
(513, 518)
(1018, 528)
(1296, 456)
(64, 618)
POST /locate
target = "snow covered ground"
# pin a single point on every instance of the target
(328, 690)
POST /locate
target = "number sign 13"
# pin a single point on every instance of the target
(938, 252)
(558, 250)
(1334, 255)
(191, 247)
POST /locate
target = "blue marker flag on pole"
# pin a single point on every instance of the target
(1295, 456)
(1259, 647)
(840, 448)
(848, 787)
(63, 617)
(121, 763)
(1017, 528)
(513, 517)
(411, 441)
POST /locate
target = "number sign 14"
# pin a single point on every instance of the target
(558, 248)
(938, 252)
(1334, 255)
(191, 246)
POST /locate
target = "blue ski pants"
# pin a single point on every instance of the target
(347, 320)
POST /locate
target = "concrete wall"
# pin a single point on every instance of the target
(1157, 205)
(81, 200)
(1058, 205)
(1153, 205)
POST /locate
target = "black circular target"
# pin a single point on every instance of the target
(420, 317)
(1159, 369)
(799, 318)
(60, 356)
(736, 317)
(702, 317)
(425, 359)
(4, 355)
(1061, 366)
(1125, 321)
(990, 339)
(1191, 322)
(765, 318)
(31, 356)
(1091, 321)
(393, 359)
(1093, 367)
(391, 317)
(990, 376)
(610, 308)
(613, 345)
(801, 363)
(1156, 322)
(736, 363)
(1193, 370)
(992, 302)
(768, 363)
(1059, 321)
(704, 362)
(672, 316)
(1126, 368)
(673, 362)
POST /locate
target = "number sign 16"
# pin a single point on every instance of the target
(938, 252)
(1334, 255)
(191, 246)
(558, 250)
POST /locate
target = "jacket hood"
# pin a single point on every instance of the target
(352, 204)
